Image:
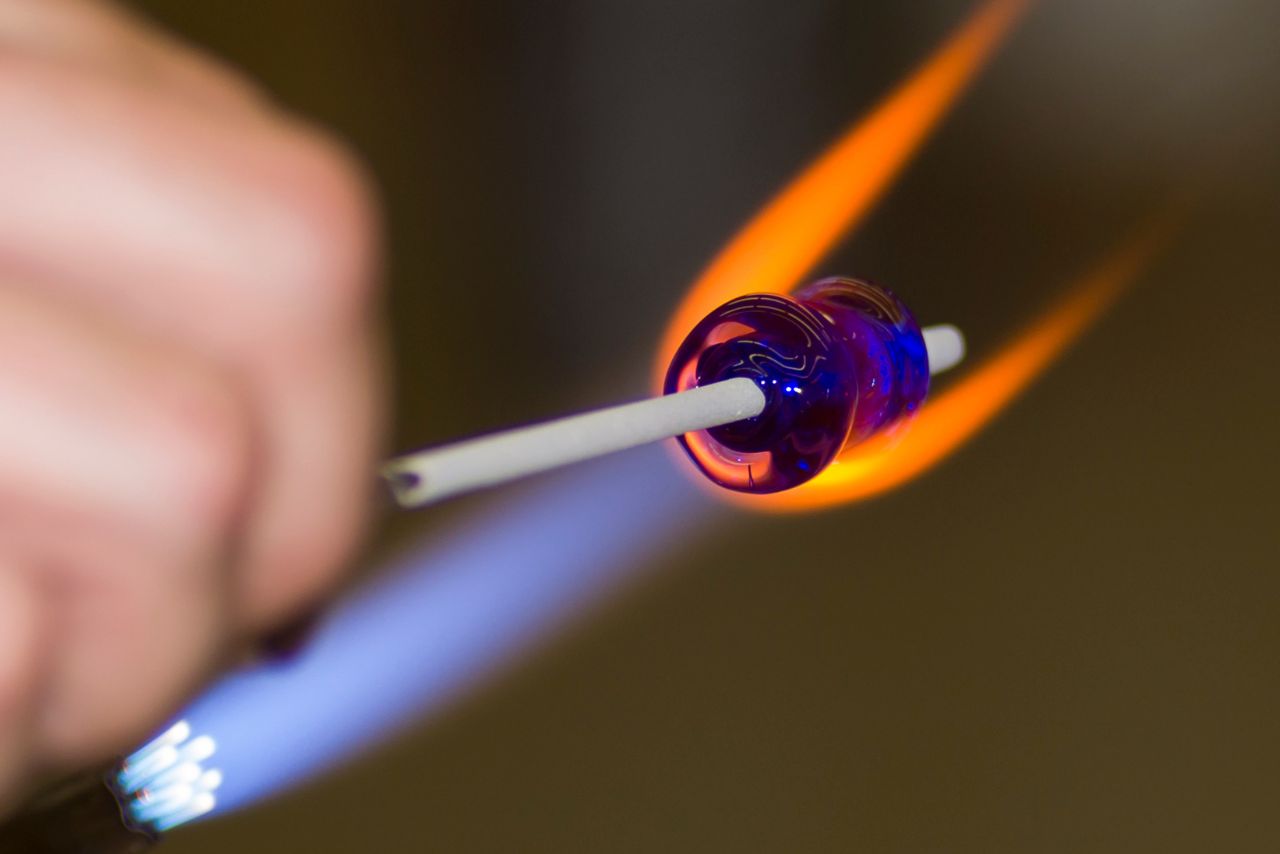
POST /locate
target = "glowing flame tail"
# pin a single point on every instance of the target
(952, 418)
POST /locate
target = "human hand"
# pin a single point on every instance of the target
(189, 384)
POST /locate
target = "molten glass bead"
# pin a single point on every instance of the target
(838, 361)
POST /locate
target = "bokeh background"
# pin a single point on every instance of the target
(1062, 639)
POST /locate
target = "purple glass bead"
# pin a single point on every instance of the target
(841, 360)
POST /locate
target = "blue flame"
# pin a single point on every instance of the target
(445, 618)
(166, 782)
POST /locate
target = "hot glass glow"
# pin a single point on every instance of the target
(838, 362)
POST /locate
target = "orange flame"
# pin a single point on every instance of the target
(951, 419)
(803, 222)
(824, 202)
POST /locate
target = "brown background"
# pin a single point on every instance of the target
(1063, 639)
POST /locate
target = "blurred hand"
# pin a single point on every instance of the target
(188, 389)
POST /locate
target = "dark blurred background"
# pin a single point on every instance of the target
(1062, 639)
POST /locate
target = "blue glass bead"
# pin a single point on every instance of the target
(839, 361)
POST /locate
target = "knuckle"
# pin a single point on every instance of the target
(325, 227)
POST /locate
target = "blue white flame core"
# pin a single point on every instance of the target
(166, 782)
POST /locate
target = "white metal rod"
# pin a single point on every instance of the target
(945, 345)
(436, 473)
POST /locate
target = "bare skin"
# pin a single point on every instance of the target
(189, 391)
